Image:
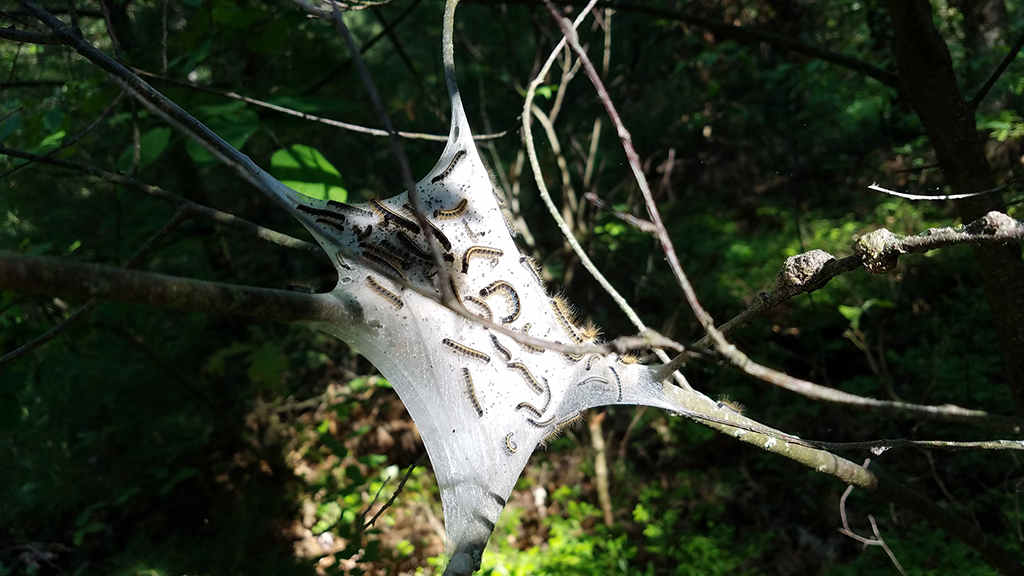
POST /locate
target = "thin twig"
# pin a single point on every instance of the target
(401, 485)
(545, 195)
(739, 359)
(877, 188)
(71, 141)
(218, 216)
(312, 117)
(1010, 56)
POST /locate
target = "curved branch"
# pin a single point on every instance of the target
(66, 279)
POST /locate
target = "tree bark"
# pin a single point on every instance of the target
(67, 279)
(929, 83)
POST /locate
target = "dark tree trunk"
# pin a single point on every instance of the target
(929, 83)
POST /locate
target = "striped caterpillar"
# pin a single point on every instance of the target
(388, 295)
(471, 392)
(513, 298)
(451, 167)
(482, 252)
(466, 350)
(454, 212)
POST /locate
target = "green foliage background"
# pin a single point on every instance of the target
(152, 442)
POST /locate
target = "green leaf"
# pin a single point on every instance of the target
(853, 314)
(151, 145)
(233, 122)
(305, 170)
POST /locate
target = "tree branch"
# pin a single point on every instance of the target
(26, 37)
(218, 216)
(54, 277)
(1010, 56)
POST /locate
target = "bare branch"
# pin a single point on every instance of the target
(1010, 56)
(82, 313)
(312, 117)
(218, 216)
(545, 196)
(74, 139)
(56, 277)
(26, 37)
(907, 196)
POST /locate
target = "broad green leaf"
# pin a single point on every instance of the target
(233, 122)
(152, 145)
(305, 170)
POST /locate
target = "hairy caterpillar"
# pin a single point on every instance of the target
(331, 223)
(420, 253)
(454, 212)
(433, 229)
(497, 346)
(530, 347)
(485, 309)
(348, 208)
(451, 167)
(466, 350)
(471, 392)
(527, 375)
(481, 251)
(513, 298)
(390, 215)
(387, 294)
(384, 263)
(510, 445)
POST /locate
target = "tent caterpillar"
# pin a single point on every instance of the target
(590, 379)
(390, 215)
(530, 407)
(471, 392)
(532, 266)
(386, 265)
(530, 347)
(497, 345)
(341, 260)
(331, 223)
(485, 309)
(541, 423)
(348, 208)
(420, 253)
(454, 212)
(466, 350)
(527, 375)
(363, 233)
(320, 212)
(509, 444)
(481, 251)
(447, 171)
(513, 298)
(730, 404)
(455, 289)
(618, 382)
(563, 425)
(564, 315)
(387, 294)
(396, 260)
(433, 229)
